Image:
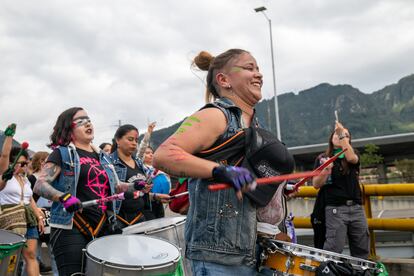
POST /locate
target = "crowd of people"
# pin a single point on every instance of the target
(222, 227)
(77, 171)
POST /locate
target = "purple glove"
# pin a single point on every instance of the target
(236, 176)
(70, 203)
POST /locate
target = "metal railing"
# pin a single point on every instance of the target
(368, 190)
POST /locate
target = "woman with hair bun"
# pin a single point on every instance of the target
(221, 226)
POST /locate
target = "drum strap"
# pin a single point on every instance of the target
(85, 228)
(133, 221)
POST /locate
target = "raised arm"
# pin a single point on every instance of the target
(7, 145)
(343, 135)
(43, 186)
(198, 132)
(145, 141)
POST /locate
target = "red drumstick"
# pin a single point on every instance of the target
(268, 180)
(320, 168)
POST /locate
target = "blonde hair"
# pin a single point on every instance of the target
(206, 62)
(37, 159)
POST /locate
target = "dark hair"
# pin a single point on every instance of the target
(206, 62)
(120, 132)
(37, 159)
(103, 145)
(15, 151)
(330, 150)
(62, 131)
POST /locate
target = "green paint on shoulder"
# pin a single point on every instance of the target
(186, 124)
(180, 130)
(195, 119)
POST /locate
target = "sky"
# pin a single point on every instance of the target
(129, 61)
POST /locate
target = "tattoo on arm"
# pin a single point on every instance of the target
(43, 186)
(170, 172)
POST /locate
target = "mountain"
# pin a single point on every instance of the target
(308, 117)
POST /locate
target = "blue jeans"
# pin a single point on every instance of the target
(32, 233)
(201, 268)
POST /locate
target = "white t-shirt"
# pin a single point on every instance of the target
(12, 192)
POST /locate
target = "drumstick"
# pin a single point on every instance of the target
(179, 195)
(268, 180)
(320, 168)
(120, 196)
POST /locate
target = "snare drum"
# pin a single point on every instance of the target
(11, 246)
(169, 228)
(132, 255)
(296, 259)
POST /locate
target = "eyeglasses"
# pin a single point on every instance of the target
(81, 121)
(23, 163)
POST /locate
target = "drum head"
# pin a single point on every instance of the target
(133, 251)
(10, 238)
(152, 225)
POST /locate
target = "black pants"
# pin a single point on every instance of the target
(67, 247)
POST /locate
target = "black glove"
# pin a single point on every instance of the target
(238, 177)
(70, 203)
(8, 174)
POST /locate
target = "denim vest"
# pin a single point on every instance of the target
(121, 169)
(68, 182)
(220, 228)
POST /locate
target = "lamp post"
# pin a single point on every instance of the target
(262, 10)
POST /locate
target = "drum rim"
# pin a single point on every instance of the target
(154, 230)
(337, 256)
(22, 241)
(97, 260)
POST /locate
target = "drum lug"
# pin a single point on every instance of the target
(263, 256)
(306, 267)
(289, 263)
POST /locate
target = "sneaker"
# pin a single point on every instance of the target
(44, 268)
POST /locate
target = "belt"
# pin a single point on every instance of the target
(350, 203)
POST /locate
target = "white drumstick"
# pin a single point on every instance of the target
(179, 195)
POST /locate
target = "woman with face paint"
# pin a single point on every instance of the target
(344, 215)
(76, 171)
(220, 227)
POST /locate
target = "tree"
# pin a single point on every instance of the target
(406, 167)
(370, 157)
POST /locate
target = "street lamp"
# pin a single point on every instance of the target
(262, 10)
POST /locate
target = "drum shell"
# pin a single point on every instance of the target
(169, 228)
(306, 256)
(9, 264)
(96, 266)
